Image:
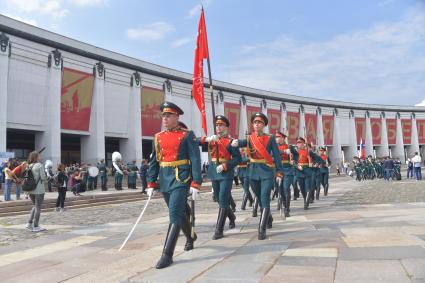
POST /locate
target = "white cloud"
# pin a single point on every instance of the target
(182, 41)
(50, 7)
(27, 21)
(151, 32)
(383, 64)
(88, 3)
(421, 103)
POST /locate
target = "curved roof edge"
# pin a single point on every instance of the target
(48, 38)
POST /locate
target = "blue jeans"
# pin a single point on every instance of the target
(18, 191)
(388, 174)
(418, 173)
(409, 173)
(7, 190)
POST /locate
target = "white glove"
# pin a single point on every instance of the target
(288, 151)
(235, 143)
(150, 192)
(212, 138)
(219, 169)
(279, 180)
(194, 192)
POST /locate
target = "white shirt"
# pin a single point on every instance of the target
(417, 160)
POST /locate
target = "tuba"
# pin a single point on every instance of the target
(116, 160)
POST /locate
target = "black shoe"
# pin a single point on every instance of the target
(170, 244)
(187, 231)
(255, 208)
(221, 219)
(263, 224)
(189, 242)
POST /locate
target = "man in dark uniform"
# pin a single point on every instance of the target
(304, 172)
(176, 162)
(243, 176)
(287, 156)
(132, 174)
(324, 170)
(264, 162)
(102, 172)
(224, 158)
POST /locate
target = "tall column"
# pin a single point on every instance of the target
(368, 136)
(243, 119)
(398, 151)
(302, 130)
(320, 137)
(335, 152)
(4, 71)
(131, 148)
(352, 148)
(283, 118)
(51, 137)
(93, 146)
(383, 150)
(264, 111)
(414, 145)
(167, 87)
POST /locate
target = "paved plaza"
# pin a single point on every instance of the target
(372, 231)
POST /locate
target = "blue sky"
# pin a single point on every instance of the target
(361, 51)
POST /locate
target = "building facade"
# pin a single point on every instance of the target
(82, 103)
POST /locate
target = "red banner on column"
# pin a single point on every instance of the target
(406, 126)
(233, 112)
(328, 129)
(151, 114)
(311, 127)
(360, 129)
(274, 120)
(420, 124)
(293, 126)
(376, 126)
(76, 100)
(251, 110)
(391, 131)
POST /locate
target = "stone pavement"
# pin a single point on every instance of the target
(372, 231)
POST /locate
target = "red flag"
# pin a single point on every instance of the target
(201, 53)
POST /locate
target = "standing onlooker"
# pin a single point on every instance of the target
(143, 171)
(338, 171)
(388, 169)
(346, 164)
(17, 171)
(62, 181)
(9, 179)
(37, 195)
(409, 168)
(76, 182)
(417, 163)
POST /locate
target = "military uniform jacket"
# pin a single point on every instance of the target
(259, 168)
(175, 161)
(285, 154)
(243, 167)
(323, 167)
(102, 169)
(227, 156)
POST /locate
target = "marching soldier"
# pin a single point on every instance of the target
(243, 177)
(288, 171)
(176, 162)
(304, 172)
(317, 163)
(132, 174)
(224, 158)
(264, 159)
(324, 170)
(102, 172)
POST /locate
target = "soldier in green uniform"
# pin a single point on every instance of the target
(119, 174)
(132, 174)
(224, 159)
(102, 172)
(317, 176)
(265, 165)
(176, 163)
(324, 170)
(304, 172)
(243, 177)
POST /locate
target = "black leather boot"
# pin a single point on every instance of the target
(326, 189)
(263, 224)
(232, 203)
(221, 219)
(250, 199)
(244, 201)
(270, 221)
(318, 193)
(287, 206)
(170, 244)
(306, 200)
(232, 218)
(187, 231)
(255, 208)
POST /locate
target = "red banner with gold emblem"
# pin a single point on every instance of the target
(233, 112)
(376, 126)
(76, 100)
(360, 129)
(328, 129)
(274, 120)
(311, 127)
(293, 126)
(420, 124)
(406, 126)
(392, 131)
(151, 114)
